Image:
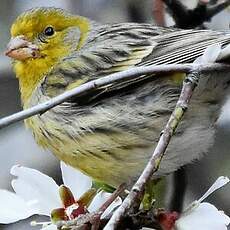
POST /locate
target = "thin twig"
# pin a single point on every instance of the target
(216, 8)
(190, 18)
(92, 85)
(137, 191)
(112, 198)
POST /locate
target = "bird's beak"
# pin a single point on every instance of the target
(20, 48)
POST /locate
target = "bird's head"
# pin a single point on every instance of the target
(40, 38)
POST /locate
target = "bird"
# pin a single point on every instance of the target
(110, 134)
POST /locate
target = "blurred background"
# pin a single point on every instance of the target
(16, 143)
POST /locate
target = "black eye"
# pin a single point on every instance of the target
(49, 31)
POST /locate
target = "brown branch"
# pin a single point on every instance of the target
(137, 191)
(190, 18)
(159, 12)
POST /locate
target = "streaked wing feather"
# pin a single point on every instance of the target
(118, 47)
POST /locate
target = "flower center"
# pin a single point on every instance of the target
(75, 210)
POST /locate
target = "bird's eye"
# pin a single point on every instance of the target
(49, 31)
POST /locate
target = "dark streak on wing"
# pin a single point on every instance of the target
(112, 46)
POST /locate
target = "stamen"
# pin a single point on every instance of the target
(34, 223)
(70, 209)
(220, 182)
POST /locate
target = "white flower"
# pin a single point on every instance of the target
(37, 193)
(204, 216)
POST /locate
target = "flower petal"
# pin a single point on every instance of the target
(13, 208)
(210, 54)
(204, 217)
(37, 189)
(75, 180)
(99, 199)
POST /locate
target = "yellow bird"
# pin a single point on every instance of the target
(110, 135)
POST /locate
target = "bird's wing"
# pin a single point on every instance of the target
(118, 47)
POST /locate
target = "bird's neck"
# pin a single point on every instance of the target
(30, 74)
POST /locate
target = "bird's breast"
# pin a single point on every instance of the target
(111, 141)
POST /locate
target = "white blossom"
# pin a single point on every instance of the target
(202, 215)
(37, 193)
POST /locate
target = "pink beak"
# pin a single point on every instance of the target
(20, 48)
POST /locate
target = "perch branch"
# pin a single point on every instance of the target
(92, 85)
(137, 191)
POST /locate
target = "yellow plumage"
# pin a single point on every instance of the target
(110, 134)
(31, 72)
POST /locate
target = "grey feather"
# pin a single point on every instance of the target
(122, 122)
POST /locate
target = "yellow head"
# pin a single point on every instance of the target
(41, 37)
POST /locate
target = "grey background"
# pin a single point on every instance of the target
(16, 143)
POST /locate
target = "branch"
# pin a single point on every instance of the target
(137, 191)
(217, 8)
(190, 18)
(159, 12)
(177, 10)
(92, 85)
